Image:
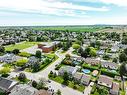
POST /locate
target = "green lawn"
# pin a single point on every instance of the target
(20, 46)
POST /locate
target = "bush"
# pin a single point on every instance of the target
(86, 66)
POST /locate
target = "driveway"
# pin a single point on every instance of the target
(88, 90)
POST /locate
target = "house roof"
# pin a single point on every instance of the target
(78, 75)
(109, 64)
(9, 58)
(105, 79)
(85, 78)
(6, 84)
(68, 69)
(23, 90)
(92, 61)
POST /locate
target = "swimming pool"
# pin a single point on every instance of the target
(86, 71)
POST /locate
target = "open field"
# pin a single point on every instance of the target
(20, 46)
(71, 28)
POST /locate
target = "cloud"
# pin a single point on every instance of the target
(51, 7)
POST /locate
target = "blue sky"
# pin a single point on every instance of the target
(62, 12)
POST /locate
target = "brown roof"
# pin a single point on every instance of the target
(86, 78)
(92, 61)
(42, 92)
(105, 79)
(78, 75)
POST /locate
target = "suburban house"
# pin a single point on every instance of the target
(22, 89)
(9, 58)
(114, 49)
(115, 89)
(69, 69)
(7, 85)
(100, 52)
(105, 81)
(85, 79)
(77, 76)
(92, 61)
(82, 78)
(32, 60)
(109, 65)
(47, 47)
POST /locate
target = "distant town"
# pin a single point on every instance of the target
(63, 60)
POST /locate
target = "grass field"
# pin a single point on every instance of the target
(20, 46)
(71, 28)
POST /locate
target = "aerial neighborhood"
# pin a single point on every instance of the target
(91, 60)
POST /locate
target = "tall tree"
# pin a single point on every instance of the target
(38, 54)
(122, 72)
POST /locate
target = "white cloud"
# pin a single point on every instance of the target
(53, 7)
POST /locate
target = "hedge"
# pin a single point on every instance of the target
(90, 67)
(111, 74)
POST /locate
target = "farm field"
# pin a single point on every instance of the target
(71, 28)
(20, 46)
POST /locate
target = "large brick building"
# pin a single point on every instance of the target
(47, 47)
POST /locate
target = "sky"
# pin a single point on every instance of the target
(62, 12)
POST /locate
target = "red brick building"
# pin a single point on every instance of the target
(48, 47)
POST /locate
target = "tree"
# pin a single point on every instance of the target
(58, 92)
(2, 49)
(76, 46)
(34, 83)
(84, 54)
(80, 50)
(66, 78)
(122, 57)
(115, 60)
(36, 67)
(87, 50)
(122, 71)
(92, 44)
(38, 54)
(41, 84)
(15, 51)
(22, 77)
(92, 52)
(125, 51)
(67, 56)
